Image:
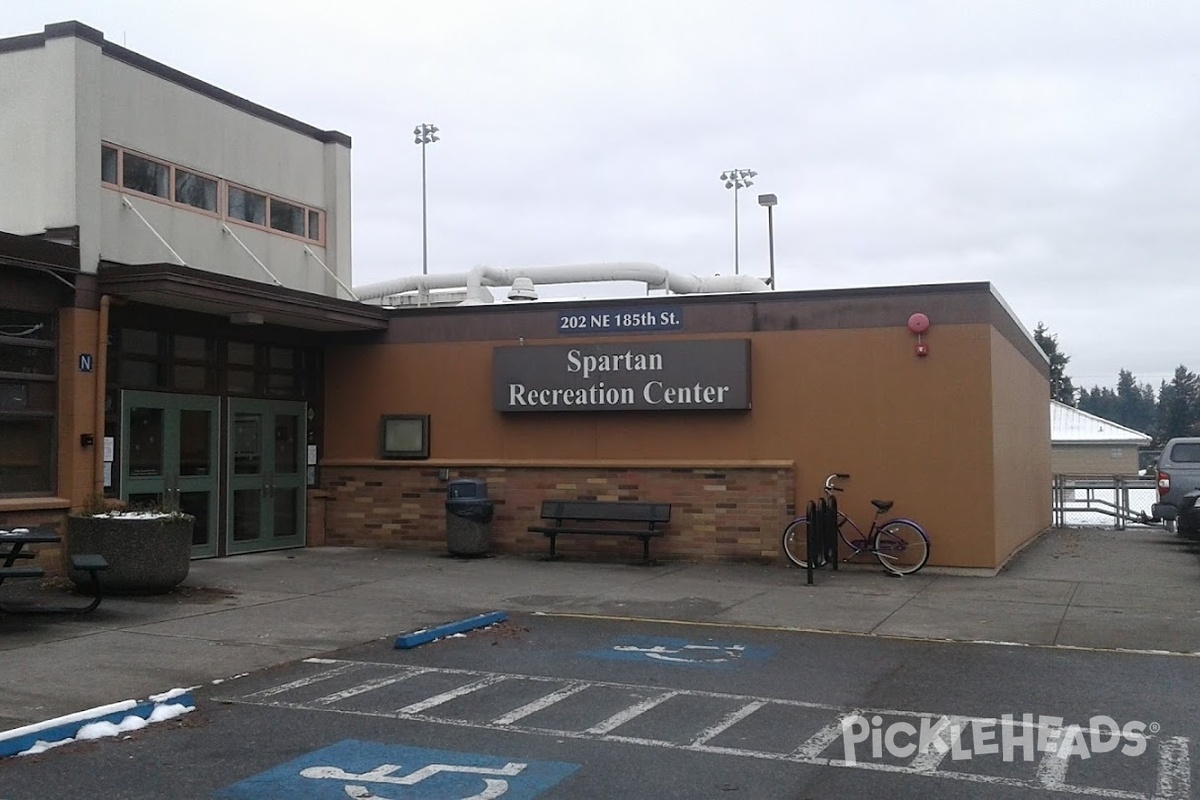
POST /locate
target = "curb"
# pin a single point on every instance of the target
(18, 740)
(408, 640)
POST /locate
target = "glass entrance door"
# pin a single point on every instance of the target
(169, 446)
(266, 469)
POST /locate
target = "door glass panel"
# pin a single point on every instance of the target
(247, 444)
(196, 504)
(145, 442)
(286, 519)
(287, 452)
(247, 514)
(195, 454)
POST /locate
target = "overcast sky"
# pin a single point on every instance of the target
(1050, 147)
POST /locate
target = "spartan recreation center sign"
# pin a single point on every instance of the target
(667, 376)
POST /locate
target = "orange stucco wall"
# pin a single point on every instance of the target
(1021, 452)
(933, 434)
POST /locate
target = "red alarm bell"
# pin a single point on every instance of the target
(918, 324)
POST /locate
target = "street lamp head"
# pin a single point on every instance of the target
(767, 200)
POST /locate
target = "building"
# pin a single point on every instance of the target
(174, 258)
(176, 325)
(1085, 444)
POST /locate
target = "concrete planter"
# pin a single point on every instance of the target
(145, 555)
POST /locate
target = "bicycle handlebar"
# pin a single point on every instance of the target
(829, 482)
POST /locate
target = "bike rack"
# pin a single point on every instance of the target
(821, 534)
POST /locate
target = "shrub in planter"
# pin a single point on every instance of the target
(148, 552)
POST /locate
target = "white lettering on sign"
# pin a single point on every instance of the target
(654, 392)
(628, 361)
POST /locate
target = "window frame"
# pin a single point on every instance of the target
(44, 413)
(308, 235)
(393, 422)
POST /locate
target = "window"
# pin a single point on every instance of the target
(108, 164)
(287, 217)
(404, 436)
(195, 190)
(185, 187)
(247, 206)
(27, 402)
(146, 176)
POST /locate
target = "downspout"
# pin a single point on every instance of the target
(101, 381)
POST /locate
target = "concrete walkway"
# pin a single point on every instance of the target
(1136, 589)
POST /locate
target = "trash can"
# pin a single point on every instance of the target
(468, 517)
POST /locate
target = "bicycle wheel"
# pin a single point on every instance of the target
(901, 546)
(795, 544)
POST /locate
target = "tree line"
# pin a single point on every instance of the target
(1174, 410)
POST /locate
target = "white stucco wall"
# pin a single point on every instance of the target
(28, 78)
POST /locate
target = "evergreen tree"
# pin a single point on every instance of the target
(1178, 406)
(1135, 404)
(1101, 401)
(1061, 388)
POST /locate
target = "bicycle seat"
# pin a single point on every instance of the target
(882, 505)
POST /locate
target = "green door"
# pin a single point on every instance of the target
(266, 509)
(169, 447)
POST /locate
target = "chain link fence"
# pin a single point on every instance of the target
(1092, 501)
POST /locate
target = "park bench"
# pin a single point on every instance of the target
(604, 518)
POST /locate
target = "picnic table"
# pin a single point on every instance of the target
(14, 547)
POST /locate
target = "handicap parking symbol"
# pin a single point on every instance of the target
(375, 771)
(680, 652)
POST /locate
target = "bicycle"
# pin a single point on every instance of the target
(901, 545)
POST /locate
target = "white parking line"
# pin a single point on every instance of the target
(1172, 767)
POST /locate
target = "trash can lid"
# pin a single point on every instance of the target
(466, 487)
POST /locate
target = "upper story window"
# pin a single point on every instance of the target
(247, 206)
(195, 190)
(184, 187)
(146, 176)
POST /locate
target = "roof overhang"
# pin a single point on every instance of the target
(236, 299)
(37, 253)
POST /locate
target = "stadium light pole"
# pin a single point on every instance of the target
(737, 179)
(424, 134)
(769, 201)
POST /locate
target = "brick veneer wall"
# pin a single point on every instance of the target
(718, 513)
(50, 556)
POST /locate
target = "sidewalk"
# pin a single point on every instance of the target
(1136, 589)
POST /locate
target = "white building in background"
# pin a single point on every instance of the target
(1085, 444)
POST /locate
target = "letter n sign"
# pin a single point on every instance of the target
(85, 362)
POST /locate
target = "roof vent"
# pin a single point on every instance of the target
(522, 289)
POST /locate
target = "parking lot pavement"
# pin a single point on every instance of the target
(572, 706)
(1134, 590)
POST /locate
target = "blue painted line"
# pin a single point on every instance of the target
(18, 740)
(371, 769)
(407, 640)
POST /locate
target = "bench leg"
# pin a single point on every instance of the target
(32, 609)
(646, 549)
(552, 539)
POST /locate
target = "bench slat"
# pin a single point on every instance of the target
(596, 510)
(88, 562)
(548, 530)
(21, 572)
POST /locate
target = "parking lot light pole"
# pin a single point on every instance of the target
(769, 201)
(424, 134)
(737, 179)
